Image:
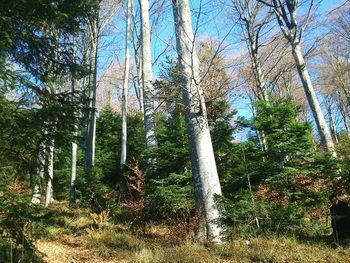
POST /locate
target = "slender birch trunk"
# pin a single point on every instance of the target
(204, 171)
(148, 89)
(91, 136)
(123, 187)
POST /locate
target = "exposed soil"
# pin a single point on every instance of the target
(69, 249)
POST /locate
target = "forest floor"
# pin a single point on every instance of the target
(66, 235)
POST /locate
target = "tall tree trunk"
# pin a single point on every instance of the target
(139, 82)
(148, 89)
(286, 15)
(38, 178)
(72, 192)
(123, 187)
(91, 136)
(49, 189)
(204, 171)
(259, 133)
(333, 129)
(346, 91)
(136, 40)
(344, 115)
(260, 82)
(262, 93)
(346, 124)
(312, 99)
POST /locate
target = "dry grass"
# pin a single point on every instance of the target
(99, 240)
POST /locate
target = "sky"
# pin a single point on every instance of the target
(212, 22)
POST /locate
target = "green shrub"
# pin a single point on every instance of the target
(15, 228)
(171, 198)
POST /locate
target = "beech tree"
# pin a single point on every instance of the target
(92, 86)
(49, 189)
(125, 96)
(136, 42)
(286, 15)
(252, 26)
(72, 192)
(204, 169)
(147, 84)
(339, 36)
(38, 177)
(104, 12)
(334, 54)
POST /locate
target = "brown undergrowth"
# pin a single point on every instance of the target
(77, 235)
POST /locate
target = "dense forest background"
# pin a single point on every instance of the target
(135, 139)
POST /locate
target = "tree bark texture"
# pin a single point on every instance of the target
(125, 98)
(91, 133)
(38, 178)
(204, 172)
(312, 99)
(72, 192)
(147, 83)
(49, 189)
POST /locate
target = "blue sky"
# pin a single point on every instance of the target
(212, 22)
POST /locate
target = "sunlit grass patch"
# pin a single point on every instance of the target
(108, 241)
(280, 249)
(96, 234)
(146, 255)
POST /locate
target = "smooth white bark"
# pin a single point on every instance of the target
(262, 93)
(38, 178)
(125, 97)
(148, 89)
(36, 198)
(204, 171)
(260, 134)
(72, 195)
(139, 82)
(49, 189)
(344, 115)
(328, 102)
(136, 41)
(312, 99)
(332, 124)
(91, 136)
(286, 15)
